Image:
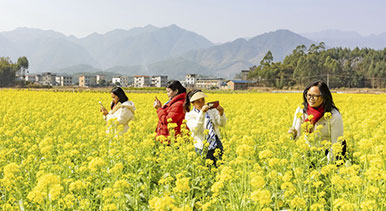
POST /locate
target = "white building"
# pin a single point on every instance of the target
(57, 80)
(121, 80)
(142, 81)
(86, 81)
(38, 78)
(159, 80)
(48, 78)
(100, 78)
(190, 80)
(32, 78)
(64, 80)
(244, 74)
(210, 83)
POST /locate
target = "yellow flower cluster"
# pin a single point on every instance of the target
(55, 154)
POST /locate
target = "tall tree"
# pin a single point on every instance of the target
(345, 67)
(267, 60)
(7, 72)
(23, 64)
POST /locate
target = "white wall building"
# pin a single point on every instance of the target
(100, 78)
(159, 80)
(31, 78)
(64, 80)
(38, 78)
(244, 74)
(86, 81)
(190, 80)
(48, 78)
(210, 83)
(142, 81)
(121, 80)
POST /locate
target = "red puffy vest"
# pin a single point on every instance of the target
(174, 110)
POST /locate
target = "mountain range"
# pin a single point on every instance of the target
(348, 39)
(151, 50)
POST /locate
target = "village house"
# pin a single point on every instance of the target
(86, 81)
(142, 81)
(159, 80)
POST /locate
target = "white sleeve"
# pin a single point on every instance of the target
(336, 132)
(336, 127)
(124, 115)
(219, 120)
(195, 123)
(297, 123)
(107, 117)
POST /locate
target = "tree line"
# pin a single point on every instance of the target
(340, 67)
(10, 72)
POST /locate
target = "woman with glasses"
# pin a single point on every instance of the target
(317, 100)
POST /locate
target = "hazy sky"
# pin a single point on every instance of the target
(217, 20)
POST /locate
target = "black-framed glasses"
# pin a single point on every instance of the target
(310, 96)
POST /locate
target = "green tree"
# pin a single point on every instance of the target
(342, 66)
(22, 63)
(7, 72)
(267, 60)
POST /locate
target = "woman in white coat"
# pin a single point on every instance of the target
(204, 122)
(317, 100)
(122, 110)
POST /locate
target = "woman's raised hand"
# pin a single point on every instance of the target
(157, 103)
(104, 111)
(205, 108)
(220, 110)
(293, 132)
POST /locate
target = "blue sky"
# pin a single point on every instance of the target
(217, 20)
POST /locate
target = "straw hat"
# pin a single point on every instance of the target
(197, 96)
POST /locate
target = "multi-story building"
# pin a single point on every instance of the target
(100, 79)
(244, 74)
(121, 80)
(34, 78)
(57, 80)
(31, 78)
(116, 80)
(210, 83)
(238, 84)
(38, 78)
(159, 80)
(190, 80)
(48, 78)
(64, 80)
(142, 81)
(85, 81)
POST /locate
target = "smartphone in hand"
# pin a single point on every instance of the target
(213, 104)
(157, 102)
(100, 103)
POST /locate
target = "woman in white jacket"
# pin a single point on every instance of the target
(122, 110)
(317, 100)
(204, 122)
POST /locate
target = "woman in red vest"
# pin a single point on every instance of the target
(172, 110)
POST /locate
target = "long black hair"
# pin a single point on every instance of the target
(118, 91)
(187, 99)
(328, 102)
(176, 85)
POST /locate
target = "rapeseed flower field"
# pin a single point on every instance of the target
(55, 154)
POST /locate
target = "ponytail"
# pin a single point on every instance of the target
(188, 97)
(187, 101)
